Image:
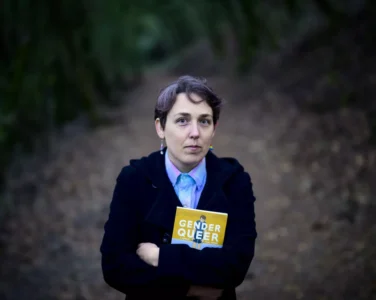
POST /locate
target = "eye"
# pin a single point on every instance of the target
(181, 121)
(206, 122)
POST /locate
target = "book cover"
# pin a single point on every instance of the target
(199, 228)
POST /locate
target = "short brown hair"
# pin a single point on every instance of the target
(189, 85)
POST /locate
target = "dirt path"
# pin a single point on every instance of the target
(50, 249)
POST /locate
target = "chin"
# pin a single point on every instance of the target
(193, 159)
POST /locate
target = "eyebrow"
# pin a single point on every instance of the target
(187, 115)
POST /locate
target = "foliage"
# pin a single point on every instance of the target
(62, 58)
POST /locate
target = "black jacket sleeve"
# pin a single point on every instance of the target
(122, 268)
(225, 267)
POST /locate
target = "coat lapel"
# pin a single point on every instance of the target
(163, 209)
(162, 212)
(213, 198)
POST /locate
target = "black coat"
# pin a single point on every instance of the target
(143, 210)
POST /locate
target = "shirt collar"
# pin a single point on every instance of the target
(198, 173)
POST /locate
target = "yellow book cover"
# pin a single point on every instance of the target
(199, 228)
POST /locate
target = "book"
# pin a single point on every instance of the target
(199, 228)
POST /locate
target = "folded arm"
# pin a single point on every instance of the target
(122, 268)
(213, 267)
(221, 268)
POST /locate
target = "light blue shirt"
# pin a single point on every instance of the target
(198, 174)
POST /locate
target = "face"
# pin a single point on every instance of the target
(188, 132)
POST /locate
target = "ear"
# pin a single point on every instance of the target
(215, 127)
(159, 129)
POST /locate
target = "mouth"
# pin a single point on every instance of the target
(193, 147)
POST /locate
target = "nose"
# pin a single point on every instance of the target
(194, 134)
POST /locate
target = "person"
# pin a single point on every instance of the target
(199, 232)
(138, 258)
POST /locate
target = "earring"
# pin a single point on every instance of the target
(211, 148)
(161, 149)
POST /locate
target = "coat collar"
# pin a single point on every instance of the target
(198, 173)
(162, 212)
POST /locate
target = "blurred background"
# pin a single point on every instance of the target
(79, 80)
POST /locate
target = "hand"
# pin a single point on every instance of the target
(149, 253)
(204, 293)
